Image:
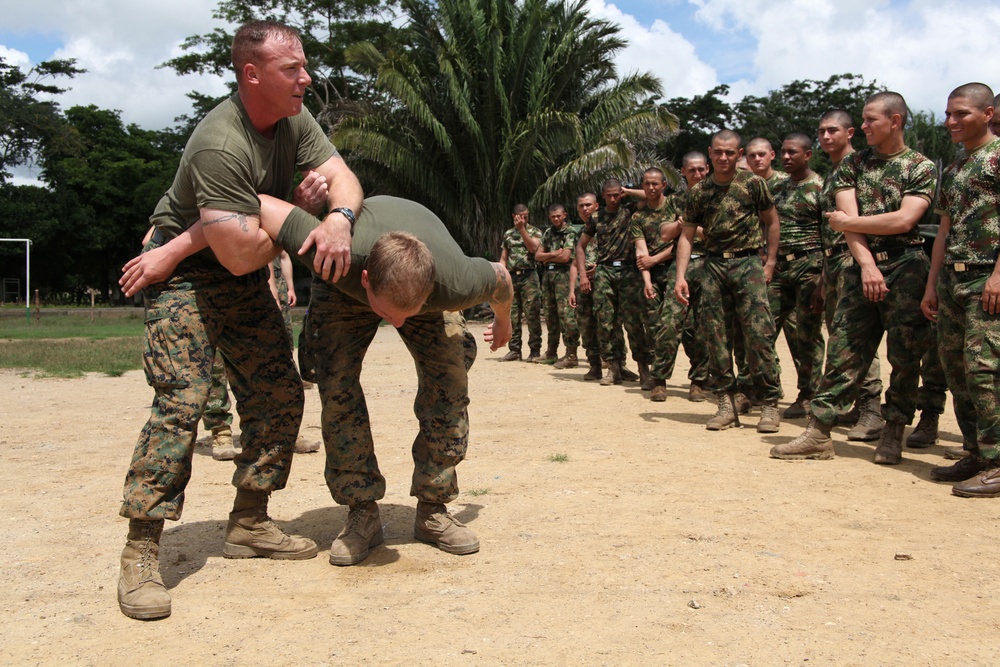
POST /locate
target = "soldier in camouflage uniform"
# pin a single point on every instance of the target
(799, 269)
(963, 290)
(654, 255)
(555, 254)
(586, 316)
(731, 207)
(407, 270)
(617, 286)
(694, 168)
(518, 254)
(883, 288)
(217, 302)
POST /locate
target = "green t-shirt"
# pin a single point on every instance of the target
(590, 254)
(970, 197)
(646, 223)
(227, 163)
(798, 209)
(729, 214)
(828, 203)
(775, 180)
(880, 183)
(554, 240)
(459, 282)
(611, 230)
(518, 257)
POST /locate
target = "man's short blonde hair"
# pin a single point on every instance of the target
(401, 270)
(249, 41)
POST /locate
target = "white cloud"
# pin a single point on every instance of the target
(15, 57)
(919, 48)
(660, 50)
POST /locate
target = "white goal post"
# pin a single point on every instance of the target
(27, 273)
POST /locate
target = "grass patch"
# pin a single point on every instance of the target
(559, 458)
(72, 357)
(71, 326)
(478, 492)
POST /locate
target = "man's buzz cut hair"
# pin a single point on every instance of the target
(891, 103)
(691, 156)
(401, 270)
(611, 184)
(657, 171)
(979, 94)
(584, 195)
(519, 208)
(838, 116)
(250, 39)
(556, 206)
(760, 140)
(801, 139)
(726, 135)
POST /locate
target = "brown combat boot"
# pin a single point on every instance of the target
(725, 417)
(361, 534)
(870, 423)
(697, 393)
(770, 419)
(659, 393)
(304, 445)
(534, 356)
(646, 381)
(967, 468)
(799, 409)
(984, 485)
(434, 525)
(513, 355)
(251, 533)
(627, 375)
(890, 446)
(741, 403)
(223, 448)
(925, 433)
(813, 443)
(613, 375)
(141, 593)
(569, 361)
(595, 369)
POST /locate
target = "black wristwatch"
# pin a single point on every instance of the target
(347, 213)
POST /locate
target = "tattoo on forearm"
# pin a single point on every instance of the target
(239, 217)
(504, 291)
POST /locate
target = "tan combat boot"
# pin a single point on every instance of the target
(222, 444)
(304, 445)
(569, 361)
(741, 403)
(870, 423)
(534, 356)
(251, 533)
(646, 381)
(799, 409)
(725, 417)
(890, 446)
(595, 369)
(814, 443)
(360, 535)
(926, 432)
(513, 355)
(770, 419)
(613, 375)
(435, 526)
(659, 393)
(627, 375)
(697, 393)
(141, 593)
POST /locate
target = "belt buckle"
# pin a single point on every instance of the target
(617, 264)
(881, 256)
(728, 255)
(790, 256)
(960, 267)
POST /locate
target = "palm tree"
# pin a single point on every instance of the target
(495, 102)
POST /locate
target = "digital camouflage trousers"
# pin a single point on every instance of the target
(560, 318)
(665, 317)
(526, 309)
(618, 300)
(790, 294)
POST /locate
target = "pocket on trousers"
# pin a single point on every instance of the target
(164, 343)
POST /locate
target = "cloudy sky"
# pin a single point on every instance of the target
(921, 48)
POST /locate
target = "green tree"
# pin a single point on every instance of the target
(493, 102)
(699, 117)
(27, 122)
(327, 28)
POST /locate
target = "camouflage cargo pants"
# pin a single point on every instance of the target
(790, 295)
(858, 327)
(694, 346)
(337, 333)
(197, 314)
(618, 300)
(559, 316)
(664, 320)
(527, 306)
(870, 386)
(218, 413)
(586, 318)
(969, 340)
(737, 286)
(932, 394)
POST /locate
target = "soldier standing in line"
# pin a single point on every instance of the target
(799, 269)
(586, 317)
(654, 254)
(555, 254)
(963, 290)
(730, 207)
(881, 193)
(518, 255)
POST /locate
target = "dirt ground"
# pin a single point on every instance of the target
(655, 542)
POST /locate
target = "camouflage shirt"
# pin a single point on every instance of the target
(728, 214)
(775, 180)
(612, 231)
(827, 203)
(646, 223)
(590, 254)
(679, 201)
(799, 213)
(556, 239)
(970, 197)
(881, 182)
(518, 257)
